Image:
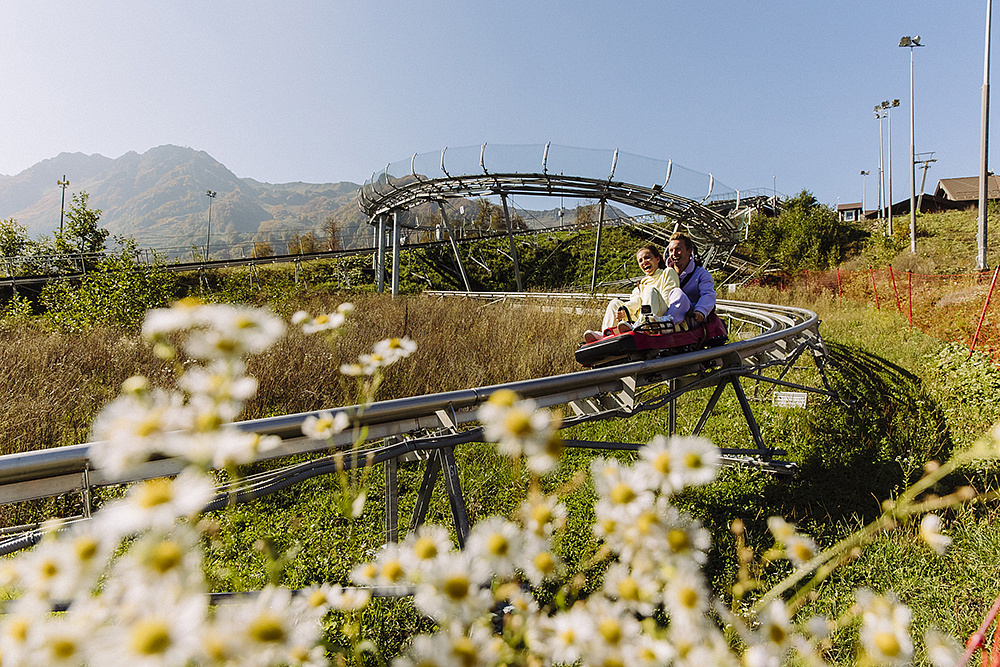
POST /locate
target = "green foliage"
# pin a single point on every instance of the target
(81, 233)
(17, 310)
(14, 239)
(117, 291)
(805, 235)
(967, 387)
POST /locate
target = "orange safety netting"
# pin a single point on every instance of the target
(961, 307)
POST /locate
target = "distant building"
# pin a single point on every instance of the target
(850, 212)
(966, 189)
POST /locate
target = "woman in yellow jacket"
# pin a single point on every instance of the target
(654, 290)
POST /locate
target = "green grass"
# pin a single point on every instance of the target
(908, 398)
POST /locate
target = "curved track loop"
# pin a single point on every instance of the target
(429, 427)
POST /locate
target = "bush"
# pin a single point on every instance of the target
(805, 235)
(117, 292)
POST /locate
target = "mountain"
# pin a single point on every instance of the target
(159, 198)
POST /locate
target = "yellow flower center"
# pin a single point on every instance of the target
(622, 494)
(678, 540)
(150, 637)
(628, 589)
(392, 570)
(887, 643)
(148, 426)
(803, 551)
(395, 344)
(545, 563)
(777, 633)
(504, 398)
(49, 569)
(155, 492)
(18, 629)
(693, 461)
(498, 545)
(465, 650)
(457, 587)
(541, 513)
(85, 547)
(425, 548)
(321, 319)
(518, 422)
(267, 628)
(63, 648)
(317, 599)
(689, 598)
(611, 630)
(662, 463)
(165, 556)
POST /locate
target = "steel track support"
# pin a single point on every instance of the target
(380, 256)
(765, 451)
(454, 486)
(513, 245)
(597, 247)
(424, 493)
(454, 248)
(396, 243)
(709, 407)
(392, 500)
(442, 460)
(672, 408)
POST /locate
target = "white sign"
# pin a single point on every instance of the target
(789, 399)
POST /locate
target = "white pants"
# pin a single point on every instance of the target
(676, 306)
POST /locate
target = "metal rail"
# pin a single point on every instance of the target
(428, 427)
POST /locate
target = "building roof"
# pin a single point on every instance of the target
(849, 207)
(966, 188)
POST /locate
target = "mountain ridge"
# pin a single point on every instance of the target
(158, 198)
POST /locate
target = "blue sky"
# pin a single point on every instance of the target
(760, 94)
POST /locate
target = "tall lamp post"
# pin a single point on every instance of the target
(911, 42)
(208, 241)
(63, 183)
(881, 171)
(886, 106)
(983, 152)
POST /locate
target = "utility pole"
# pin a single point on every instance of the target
(983, 149)
(63, 183)
(208, 241)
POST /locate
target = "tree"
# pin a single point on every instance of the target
(81, 233)
(305, 244)
(805, 235)
(332, 227)
(14, 239)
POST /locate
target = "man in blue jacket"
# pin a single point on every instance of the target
(696, 282)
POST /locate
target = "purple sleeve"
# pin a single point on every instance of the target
(706, 291)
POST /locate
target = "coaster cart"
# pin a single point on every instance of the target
(652, 339)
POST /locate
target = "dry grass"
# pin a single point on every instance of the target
(53, 384)
(460, 344)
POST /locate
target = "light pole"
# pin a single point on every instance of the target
(886, 106)
(864, 187)
(63, 183)
(881, 171)
(208, 241)
(983, 152)
(911, 42)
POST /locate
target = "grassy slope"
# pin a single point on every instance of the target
(913, 399)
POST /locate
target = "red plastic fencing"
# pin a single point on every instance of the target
(961, 307)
